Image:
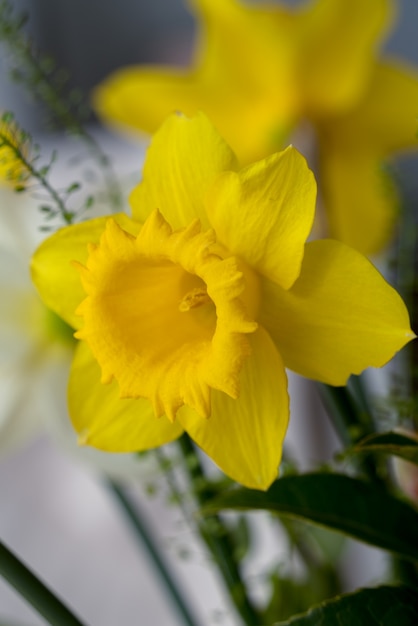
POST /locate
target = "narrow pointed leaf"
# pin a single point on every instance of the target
(389, 443)
(382, 606)
(345, 504)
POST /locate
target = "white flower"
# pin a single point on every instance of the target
(36, 349)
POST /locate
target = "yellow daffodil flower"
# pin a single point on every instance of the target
(188, 313)
(261, 70)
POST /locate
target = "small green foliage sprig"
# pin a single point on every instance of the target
(48, 83)
(19, 158)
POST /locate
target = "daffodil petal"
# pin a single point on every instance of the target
(249, 86)
(340, 316)
(106, 422)
(57, 282)
(264, 214)
(184, 158)
(338, 41)
(244, 437)
(142, 97)
(221, 55)
(384, 120)
(388, 112)
(360, 198)
(239, 87)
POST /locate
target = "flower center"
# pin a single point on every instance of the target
(165, 315)
(196, 297)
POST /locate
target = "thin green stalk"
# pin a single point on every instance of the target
(34, 591)
(170, 478)
(350, 422)
(406, 263)
(405, 572)
(357, 388)
(216, 536)
(147, 541)
(314, 559)
(339, 407)
(48, 83)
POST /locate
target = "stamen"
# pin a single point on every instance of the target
(195, 298)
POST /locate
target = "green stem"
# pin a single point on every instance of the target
(34, 591)
(314, 559)
(340, 409)
(358, 390)
(407, 283)
(351, 423)
(216, 536)
(405, 572)
(175, 489)
(34, 173)
(42, 85)
(147, 541)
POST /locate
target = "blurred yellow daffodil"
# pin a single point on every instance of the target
(188, 313)
(12, 141)
(259, 71)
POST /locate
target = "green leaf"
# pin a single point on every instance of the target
(7, 117)
(73, 187)
(44, 171)
(349, 505)
(89, 202)
(389, 443)
(382, 606)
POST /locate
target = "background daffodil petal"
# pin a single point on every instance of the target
(340, 316)
(57, 281)
(385, 119)
(388, 115)
(264, 214)
(359, 195)
(360, 198)
(244, 437)
(237, 86)
(104, 420)
(337, 42)
(184, 158)
(249, 86)
(141, 97)
(220, 55)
